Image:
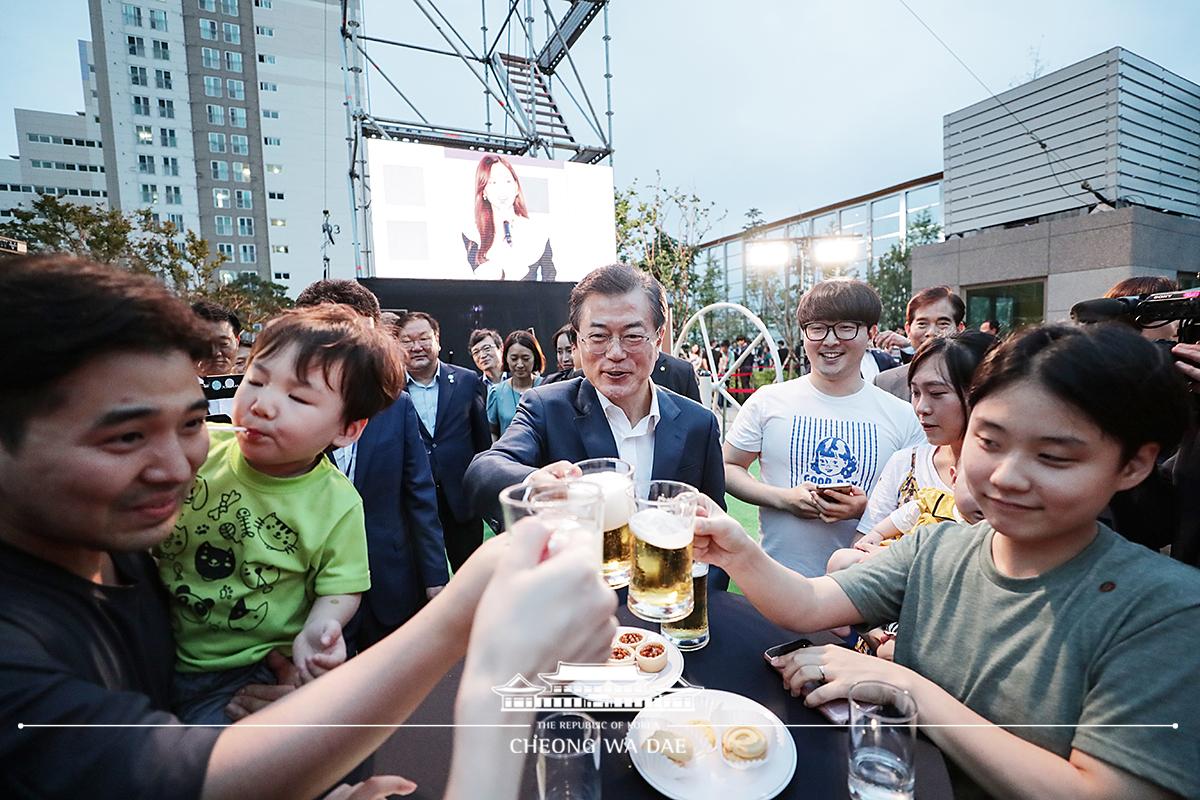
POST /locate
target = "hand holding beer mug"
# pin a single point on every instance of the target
(615, 479)
(571, 509)
(660, 589)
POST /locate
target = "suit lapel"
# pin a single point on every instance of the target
(366, 449)
(598, 441)
(446, 385)
(668, 440)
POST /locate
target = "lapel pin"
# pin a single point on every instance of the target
(450, 378)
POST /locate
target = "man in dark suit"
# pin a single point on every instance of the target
(615, 410)
(677, 375)
(451, 410)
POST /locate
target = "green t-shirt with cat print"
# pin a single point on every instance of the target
(250, 554)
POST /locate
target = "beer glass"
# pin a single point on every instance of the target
(660, 588)
(615, 479)
(572, 510)
(691, 632)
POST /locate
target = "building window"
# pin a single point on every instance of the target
(245, 226)
(237, 117)
(237, 89)
(158, 20)
(216, 143)
(269, 114)
(239, 145)
(210, 58)
(166, 108)
(249, 254)
(149, 193)
(146, 165)
(272, 141)
(166, 137)
(1014, 305)
(212, 86)
(137, 76)
(274, 169)
(241, 172)
(131, 15)
(262, 3)
(207, 5)
(232, 32)
(263, 58)
(137, 45)
(277, 222)
(216, 114)
(141, 106)
(263, 30)
(233, 61)
(208, 29)
(162, 78)
(170, 165)
(145, 134)
(274, 195)
(219, 170)
(176, 220)
(173, 195)
(229, 7)
(220, 198)
(245, 198)
(162, 50)
(224, 225)
(226, 249)
(267, 86)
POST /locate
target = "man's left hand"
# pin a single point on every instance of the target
(839, 504)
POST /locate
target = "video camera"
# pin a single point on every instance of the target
(1146, 311)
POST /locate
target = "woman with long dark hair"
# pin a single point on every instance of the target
(524, 361)
(506, 243)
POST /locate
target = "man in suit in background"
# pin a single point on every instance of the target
(676, 375)
(390, 470)
(936, 311)
(614, 410)
(451, 407)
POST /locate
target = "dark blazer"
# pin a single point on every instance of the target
(676, 375)
(404, 535)
(565, 421)
(462, 431)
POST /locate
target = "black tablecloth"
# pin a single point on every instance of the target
(732, 661)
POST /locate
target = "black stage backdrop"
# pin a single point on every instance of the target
(461, 306)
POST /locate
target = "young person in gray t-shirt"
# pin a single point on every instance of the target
(1038, 616)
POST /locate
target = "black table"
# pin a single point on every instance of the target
(732, 661)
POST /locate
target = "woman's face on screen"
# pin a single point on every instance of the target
(501, 188)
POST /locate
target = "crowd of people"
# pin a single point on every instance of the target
(968, 515)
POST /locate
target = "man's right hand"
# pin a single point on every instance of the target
(1187, 361)
(799, 501)
(558, 471)
(719, 539)
(886, 340)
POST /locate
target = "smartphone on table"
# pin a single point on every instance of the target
(836, 711)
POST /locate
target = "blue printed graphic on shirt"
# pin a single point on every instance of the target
(829, 451)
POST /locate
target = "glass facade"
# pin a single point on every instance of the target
(1013, 305)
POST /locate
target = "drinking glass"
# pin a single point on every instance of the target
(568, 762)
(883, 724)
(660, 588)
(572, 510)
(615, 479)
(691, 632)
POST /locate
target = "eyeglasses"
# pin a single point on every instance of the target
(598, 343)
(482, 349)
(842, 331)
(424, 341)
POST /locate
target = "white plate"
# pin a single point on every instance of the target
(651, 684)
(709, 777)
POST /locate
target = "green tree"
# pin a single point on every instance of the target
(81, 229)
(891, 275)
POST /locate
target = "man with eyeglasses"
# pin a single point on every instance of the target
(936, 311)
(485, 345)
(614, 410)
(821, 439)
(450, 402)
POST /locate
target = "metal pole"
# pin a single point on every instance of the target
(353, 133)
(487, 91)
(608, 84)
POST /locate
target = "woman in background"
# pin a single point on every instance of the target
(506, 243)
(524, 360)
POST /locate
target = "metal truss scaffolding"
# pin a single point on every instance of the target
(518, 87)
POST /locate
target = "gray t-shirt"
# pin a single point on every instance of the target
(1112, 637)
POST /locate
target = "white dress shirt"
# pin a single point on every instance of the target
(635, 443)
(346, 459)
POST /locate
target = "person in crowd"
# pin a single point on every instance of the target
(695, 359)
(485, 345)
(506, 244)
(822, 439)
(990, 326)
(566, 348)
(245, 343)
(524, 359)
(272, 539)
(940, 377)
(677, 375)
(225, 327)
(1039, 618)
(1149, 284)
(615, 410)
(451, 407)
(101, 435)
(389, 468)
(935, 311)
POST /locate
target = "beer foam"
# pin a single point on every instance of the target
(660, 528)
(618, 496)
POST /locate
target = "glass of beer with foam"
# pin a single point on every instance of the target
(572, 510)
(660, 588)
(615, 479)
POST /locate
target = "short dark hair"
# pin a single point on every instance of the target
(410, 316)
(840, 299)
(479, 334)
(932, 295)
(528, 340)
(332, 335)
(58, 313)
(214, 312)
(618, 279)
(568, 331)
(1125, 384)
(340, 290)
(961, 353)
(1144, 284)
(390, 322)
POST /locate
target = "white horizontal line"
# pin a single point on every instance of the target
(23, 725)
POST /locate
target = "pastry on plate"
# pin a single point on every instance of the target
(652, 657)
(620, 655)
(674, 745)
(705, 729)
(744, 746)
